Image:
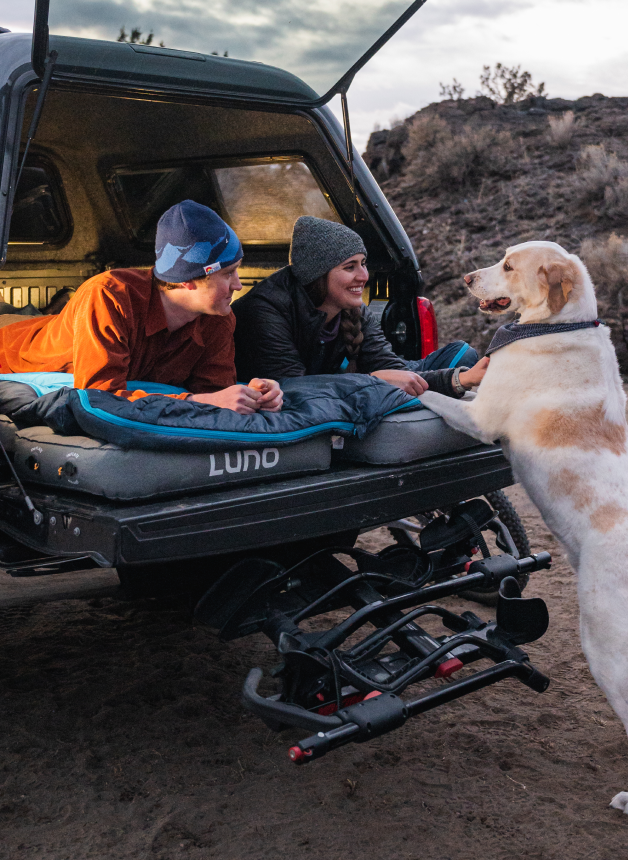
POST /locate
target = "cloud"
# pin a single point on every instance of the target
(569, 44)
(318, 40)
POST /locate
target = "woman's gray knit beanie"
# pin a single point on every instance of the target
(318, 245)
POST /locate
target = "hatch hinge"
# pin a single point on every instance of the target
(49, 65)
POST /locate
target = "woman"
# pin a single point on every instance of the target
(308, 318)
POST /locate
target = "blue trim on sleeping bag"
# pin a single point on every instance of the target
(44, 382)
(155, 388)
(231, 436)
(415, 403)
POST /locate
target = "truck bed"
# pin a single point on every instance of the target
(249, 516)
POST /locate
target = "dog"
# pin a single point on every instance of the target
(557, 405)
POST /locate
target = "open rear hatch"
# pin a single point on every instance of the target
(322, 43)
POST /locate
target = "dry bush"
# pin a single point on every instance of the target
(607, 262)
(424, 133)
(602, 182)
(561, 129)
(453, 91)
(507, 86)
(439, 158)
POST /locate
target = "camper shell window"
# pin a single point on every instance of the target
(259, 198)
(40, 215)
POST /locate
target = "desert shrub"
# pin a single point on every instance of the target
(439, 158)
(561, 129)
(454, 91)
(134, 37)
(607, 262)
(506, 86)
(424, 133)
(602, 182)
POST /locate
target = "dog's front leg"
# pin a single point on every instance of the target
(457, 414)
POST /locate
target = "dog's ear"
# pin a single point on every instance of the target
(558, 279)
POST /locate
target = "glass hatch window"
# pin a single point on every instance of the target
(261, 201)
(318, 41)
(39, 215)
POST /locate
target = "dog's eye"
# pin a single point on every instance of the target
(507, 267)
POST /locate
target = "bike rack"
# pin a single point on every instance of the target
(345, 683)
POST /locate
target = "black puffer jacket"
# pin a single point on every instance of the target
(278, 334)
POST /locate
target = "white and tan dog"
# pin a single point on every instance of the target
(557, 405)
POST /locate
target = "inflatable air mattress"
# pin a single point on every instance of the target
(404, 437)
(103, 469)
(95, 442)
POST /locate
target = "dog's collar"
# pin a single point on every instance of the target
(517, 331)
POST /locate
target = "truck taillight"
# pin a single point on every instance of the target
(428, 326)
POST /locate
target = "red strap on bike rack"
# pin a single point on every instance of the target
(448, 667)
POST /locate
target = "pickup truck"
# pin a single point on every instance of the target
(98, 138)
(123, 131)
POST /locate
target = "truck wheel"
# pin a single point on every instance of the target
(511, 519)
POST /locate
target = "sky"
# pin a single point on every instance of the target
(577, 47)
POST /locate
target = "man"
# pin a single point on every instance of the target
(172, 324)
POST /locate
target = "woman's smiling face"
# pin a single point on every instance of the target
(345, 285)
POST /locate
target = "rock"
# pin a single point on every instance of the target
(470, 226)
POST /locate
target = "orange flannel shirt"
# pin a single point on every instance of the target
(113, 330)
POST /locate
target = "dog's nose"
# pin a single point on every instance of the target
(468, 279)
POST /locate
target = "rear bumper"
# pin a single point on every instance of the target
(249, 517)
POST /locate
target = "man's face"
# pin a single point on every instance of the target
(213, 294)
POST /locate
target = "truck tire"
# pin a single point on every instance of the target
(511, 519)
(500, 502)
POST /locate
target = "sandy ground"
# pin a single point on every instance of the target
(123, 736)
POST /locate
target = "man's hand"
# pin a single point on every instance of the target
(238, 398)
(407, 380)
(259, 394)
(272, 395)
(470, 378)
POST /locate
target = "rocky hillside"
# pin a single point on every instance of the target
(468, 178)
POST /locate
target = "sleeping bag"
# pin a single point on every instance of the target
(343, 404)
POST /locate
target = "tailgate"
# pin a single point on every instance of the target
(249, 516)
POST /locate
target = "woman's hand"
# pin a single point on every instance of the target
(407, 380)
(272, 395)
(238, 398)
(470, 378)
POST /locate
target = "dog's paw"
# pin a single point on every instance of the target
(620, 801)
(432, 399)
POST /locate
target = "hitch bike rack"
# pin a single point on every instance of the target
(344, 683)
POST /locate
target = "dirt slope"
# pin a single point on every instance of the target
(521, 187)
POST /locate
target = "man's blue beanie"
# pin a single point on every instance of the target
(192, 242)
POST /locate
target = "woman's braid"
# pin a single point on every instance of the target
(352, 335)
